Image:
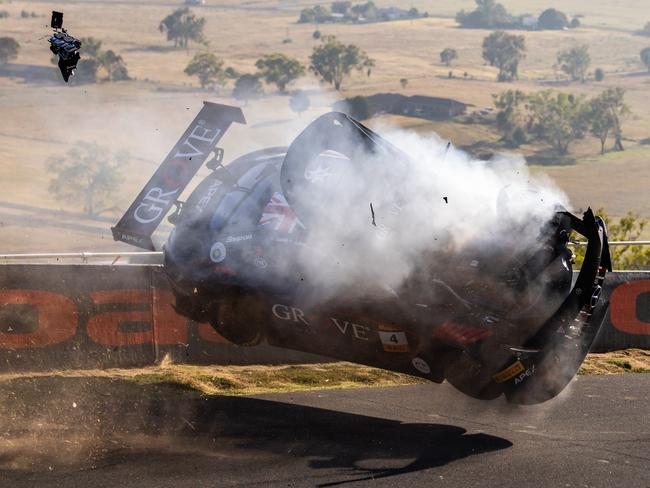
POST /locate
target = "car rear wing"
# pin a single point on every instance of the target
(174, 174)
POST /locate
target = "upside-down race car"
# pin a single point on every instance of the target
(491, 320)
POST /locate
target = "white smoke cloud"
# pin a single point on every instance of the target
(440, 203)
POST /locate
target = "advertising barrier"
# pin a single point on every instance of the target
(98, 316)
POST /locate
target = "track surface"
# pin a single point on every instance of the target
(100, 432)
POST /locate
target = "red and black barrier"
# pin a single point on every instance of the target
(628, 321)
(86, 316)
(93, 316)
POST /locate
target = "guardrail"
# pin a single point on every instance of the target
(86, 256)
(615, 243)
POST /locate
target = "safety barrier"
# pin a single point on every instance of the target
(99, 316)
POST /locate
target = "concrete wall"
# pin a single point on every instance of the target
(87, 316)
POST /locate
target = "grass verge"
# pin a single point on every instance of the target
(250, 380)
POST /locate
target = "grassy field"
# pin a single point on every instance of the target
(146, 115)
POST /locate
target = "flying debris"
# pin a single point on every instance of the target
(497, 319)
(64, 46)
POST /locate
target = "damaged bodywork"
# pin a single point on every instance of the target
(492, 318)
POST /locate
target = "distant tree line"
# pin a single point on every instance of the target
(345, 11)
(560, 118)
(490, 14)
(332, 61)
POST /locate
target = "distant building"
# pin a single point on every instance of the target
(195, 2)
(528, 21)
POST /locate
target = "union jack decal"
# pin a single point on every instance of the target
(278, 215)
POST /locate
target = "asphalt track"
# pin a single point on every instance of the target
(101, 432)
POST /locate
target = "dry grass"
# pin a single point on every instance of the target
(250, 380)
(616, 362)
(146, 116)
(247, 380)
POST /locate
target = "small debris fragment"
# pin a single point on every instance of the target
(445, 199)
(372, 212)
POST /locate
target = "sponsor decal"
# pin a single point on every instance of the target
(630, 307)
(57, 318)
(199, 133)
(508, 373)
(205, 199)
(279, 216)
(526, 374)
(290, 314)
(154, 203)
(393, 340)
(461, 334)
(320, 174)
(245, 237)
(421, 365)
(260, 262)
(217, 252)
(357, 331)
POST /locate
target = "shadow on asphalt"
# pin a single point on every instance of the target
(74, 424)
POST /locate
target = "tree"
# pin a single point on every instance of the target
(488, 15)
(316, 34)
(628, 228)
(575, 23)
(88, 173)
(9, 48)
(575, 62)
(182, 26)
(599, 74)
(246, 87)
(552, 19)
(366, 11)
(558, 118)
(607, 113)
(333, 61)
(646, 30)
(97, 63)
(208, 68)
(341, 7)
(299, 102)
(314, 15)
(510, 119)
(645, 57)
(504, 51)
(113, 65)
(404, 82)
(279, 69)
(447, 55)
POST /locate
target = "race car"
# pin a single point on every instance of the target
(492, 317)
